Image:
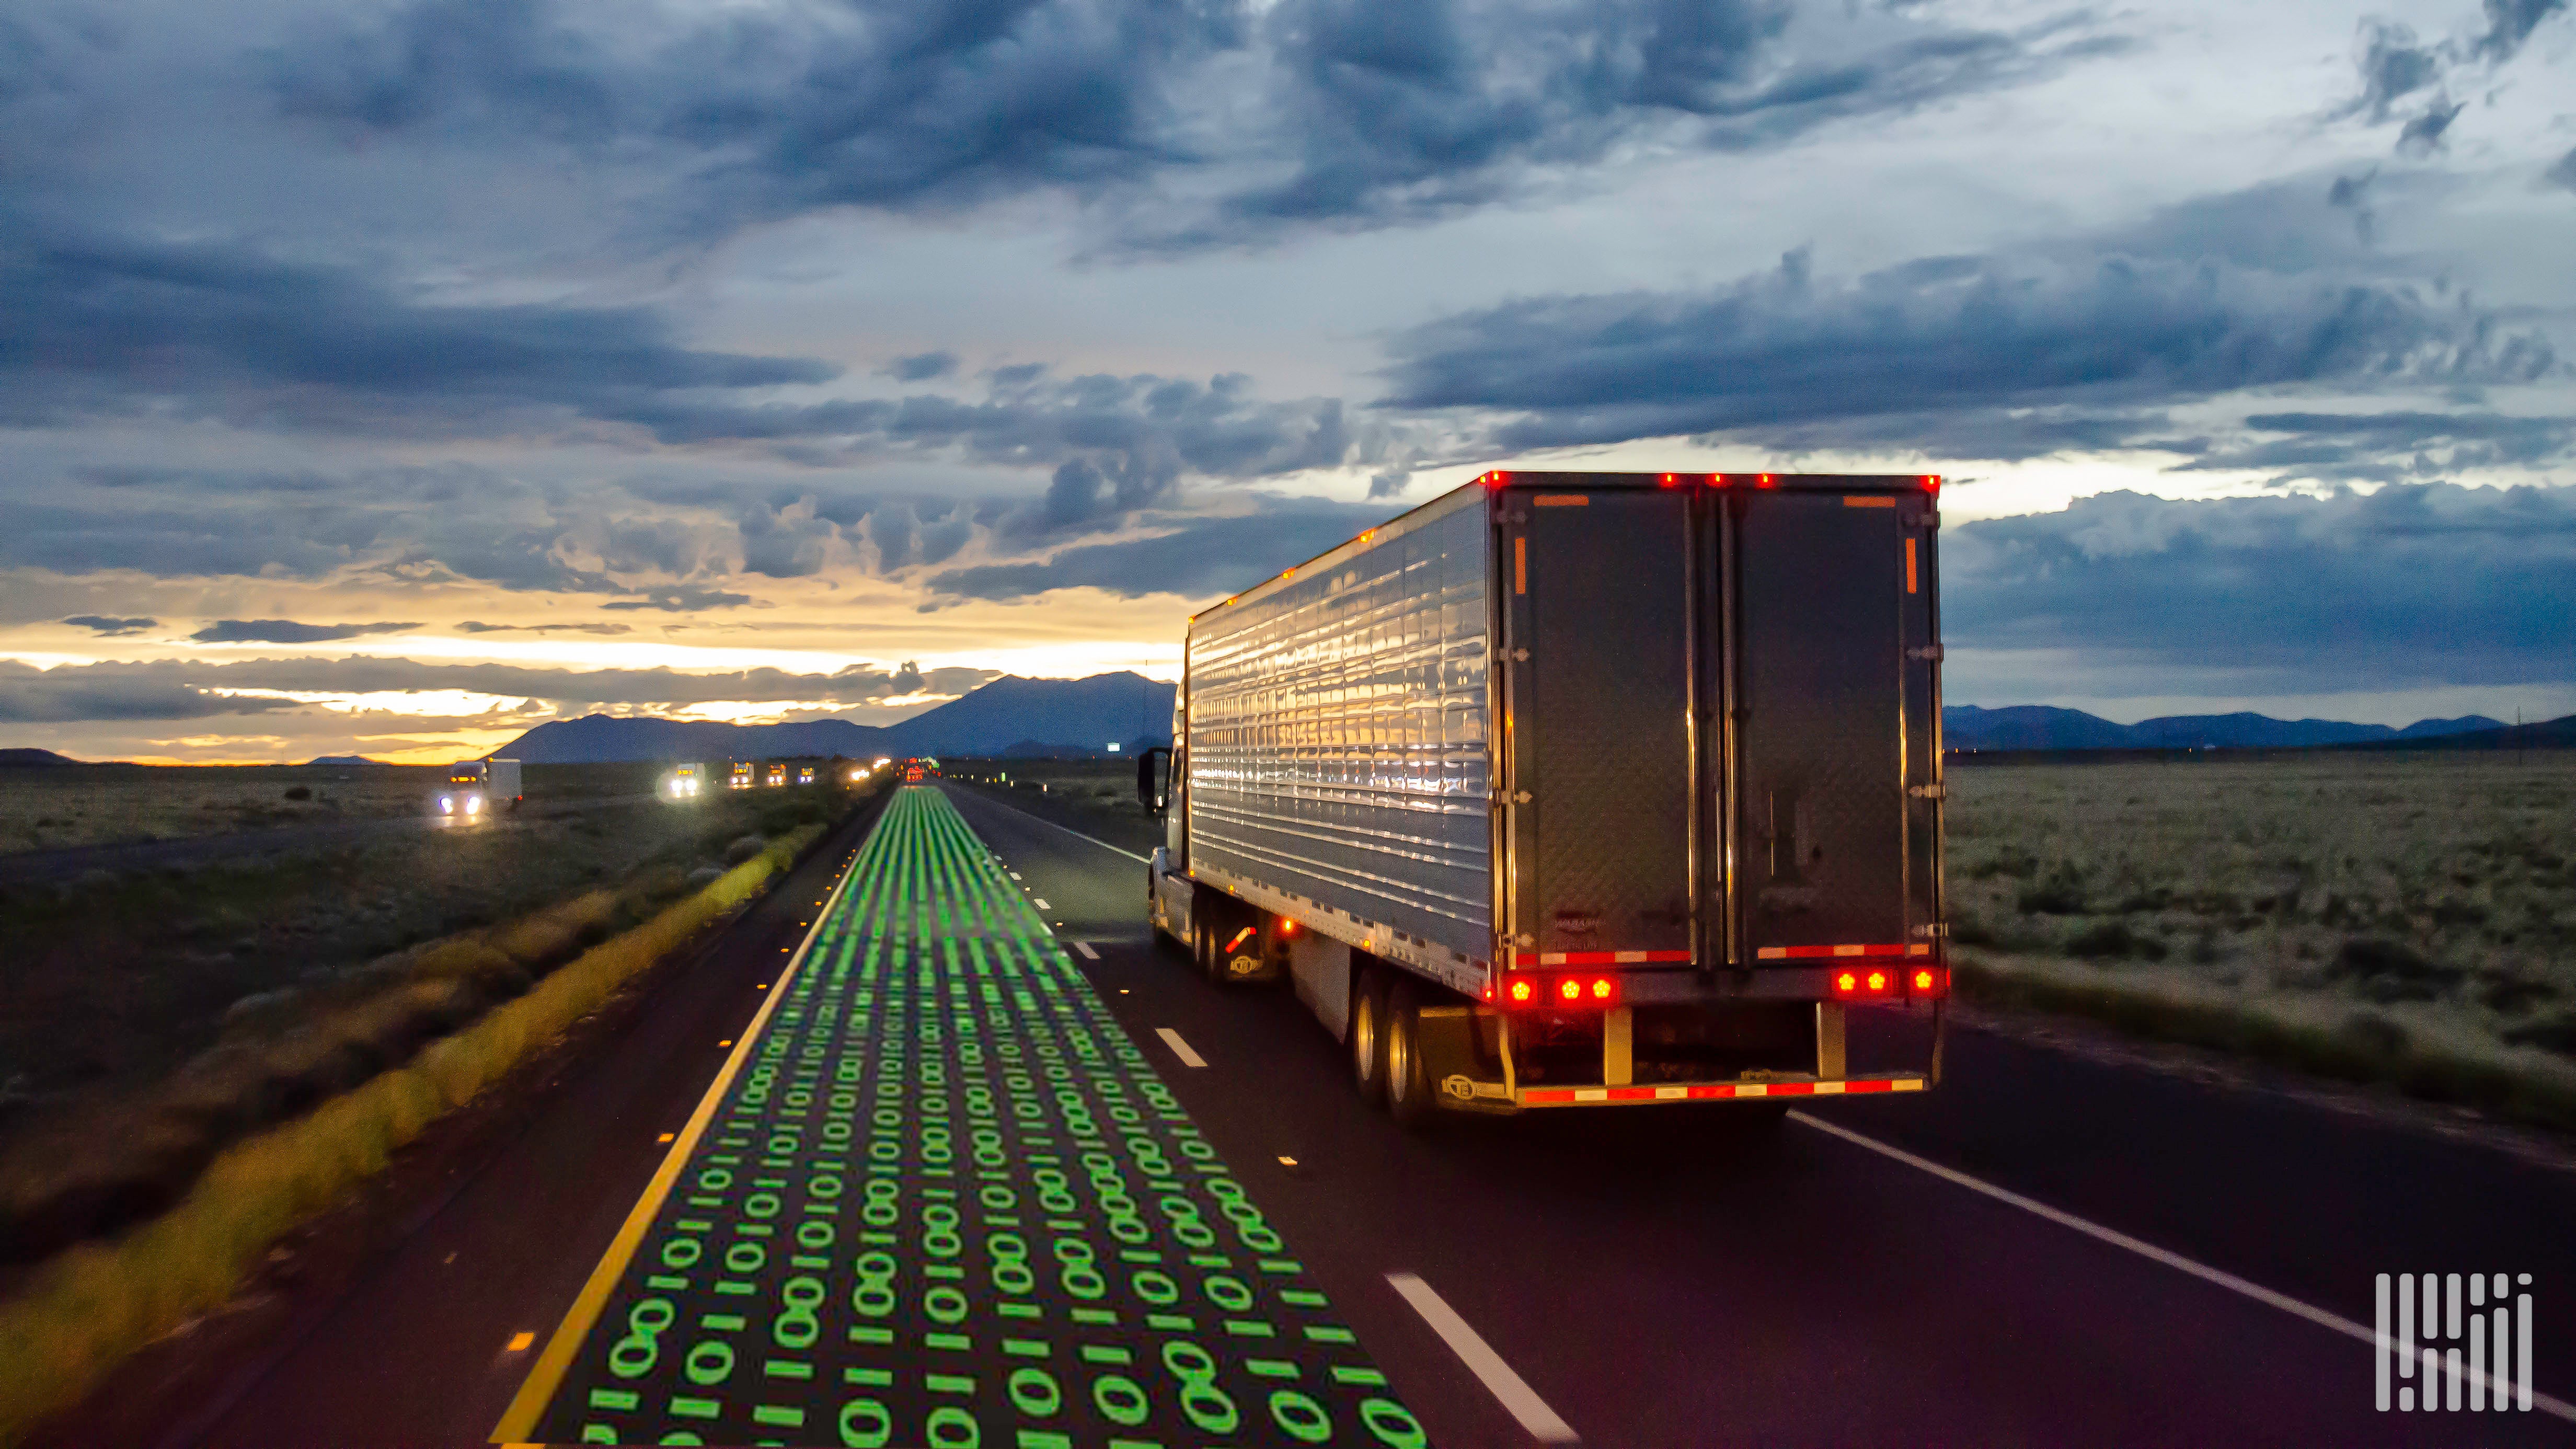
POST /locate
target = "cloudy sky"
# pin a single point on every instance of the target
(393, 375)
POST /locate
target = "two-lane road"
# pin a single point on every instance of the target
(996, 1169)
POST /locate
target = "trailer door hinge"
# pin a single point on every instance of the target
(1517, 656)
(1930, 653)
(1521, 798)
(1936, 929)
(1927, 792)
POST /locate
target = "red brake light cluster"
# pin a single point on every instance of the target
(1871, 981)
(1521, 988)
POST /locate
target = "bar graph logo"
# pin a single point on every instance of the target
(2445, 1358)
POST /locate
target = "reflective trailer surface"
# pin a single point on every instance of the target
(947, 1202)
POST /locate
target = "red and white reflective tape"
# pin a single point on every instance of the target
(1705, 1091)
(1609, 958)
(1801, 953)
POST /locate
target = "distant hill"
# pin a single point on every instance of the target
(1082, 714)
(339, 760)
(27, 757)
(598, 739)
(2039, 727)
(2554, 734)
(1014, 716)
(1041, 715)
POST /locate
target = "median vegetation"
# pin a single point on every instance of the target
(80, 1313)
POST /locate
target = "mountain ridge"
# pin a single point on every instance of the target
(1021, 715)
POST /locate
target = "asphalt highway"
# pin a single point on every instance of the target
(2047, 1250)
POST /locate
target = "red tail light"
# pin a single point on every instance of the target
(1861, 983)
(1588, 992)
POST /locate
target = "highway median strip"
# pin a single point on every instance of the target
(81, 1313)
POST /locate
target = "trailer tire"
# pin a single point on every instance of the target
(1368, 1038)
(1409, 1097)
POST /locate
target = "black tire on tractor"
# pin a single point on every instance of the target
(1368, 1038)
(1408, 1086)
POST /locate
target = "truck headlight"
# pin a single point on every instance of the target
(447, 804)
(473, 804)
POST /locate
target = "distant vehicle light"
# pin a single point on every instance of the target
(447, 804)
(473, 804)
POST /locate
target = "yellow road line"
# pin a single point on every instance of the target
(520, 1419)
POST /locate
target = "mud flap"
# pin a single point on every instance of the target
(1446, 1038)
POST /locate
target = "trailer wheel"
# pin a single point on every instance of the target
(1408, 1086)
(1368, 1038)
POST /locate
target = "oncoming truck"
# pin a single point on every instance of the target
(478, 788)
(1575, 789)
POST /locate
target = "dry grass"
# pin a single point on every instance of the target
(118, 978)
(57, 807)
(2410, 919)
(86, 1310)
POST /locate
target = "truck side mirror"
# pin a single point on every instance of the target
(1150, 791)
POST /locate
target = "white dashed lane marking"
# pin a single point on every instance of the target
(1179, 1047)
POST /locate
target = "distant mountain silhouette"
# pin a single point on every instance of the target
(25, 757)
(1014, 716)
(1009, 714)
(2039, 727)
(339, 760)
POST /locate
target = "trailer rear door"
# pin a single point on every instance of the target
(1598, 773)
(1832, 602)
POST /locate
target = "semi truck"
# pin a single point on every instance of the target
(685, 781)
(478, 788)
(1581, 789)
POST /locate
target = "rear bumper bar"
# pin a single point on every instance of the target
(1470, 1093)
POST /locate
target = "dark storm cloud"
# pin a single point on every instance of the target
(186, 690)
(922, 367)
(2424, 133)
(112, 628)
(2394, 65)
(2413, 585)
(2383, 447)
(1330, 111)
(875, 102)
(2564, 173)
(287, 631)
(682, 599)
(102, 326)
(1198, 558)
(2509, 24)
(477, 626)
(71, 693)
(2000, 356)
(1400, 108)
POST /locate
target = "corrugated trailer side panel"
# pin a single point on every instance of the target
(1338, 731)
